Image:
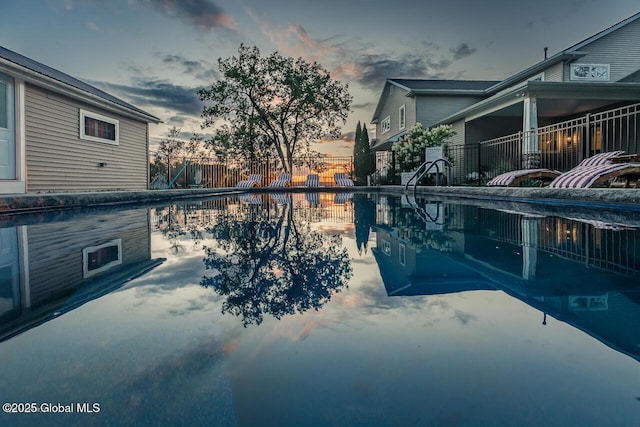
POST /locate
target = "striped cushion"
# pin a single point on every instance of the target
(584, 177)
(600, 159)
(312, 181)
(342, 180)
(253, 181)
(283, 180)
(505, 179)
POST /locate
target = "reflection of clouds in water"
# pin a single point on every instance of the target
(200, 368)
(463, 317)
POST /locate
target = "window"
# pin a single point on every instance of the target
(98, 128)
(401, 118)
(402, 255)
(96, 259)
(386, 124)
(386, 248)
(593, 72)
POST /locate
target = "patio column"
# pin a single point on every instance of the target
(529, 247)
(530, 154)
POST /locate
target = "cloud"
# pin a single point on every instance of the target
(158, 93)
(203, 14)
(94, 27)
(345, 137)
(361, 62)
(462, 51)
(200, 69)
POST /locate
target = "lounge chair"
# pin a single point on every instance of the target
(595, 171)
(342, 180)
(312, 198)
(284, 180)
(342, 198)
(253, 181)
(313, 180)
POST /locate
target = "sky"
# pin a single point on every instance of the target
(156, 54)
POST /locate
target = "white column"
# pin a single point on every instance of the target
(529, 247)
(529, 134)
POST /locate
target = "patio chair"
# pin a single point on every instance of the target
(595, 171)
(313, 180)
(313, 199)
(284, 180)
(342, 198)
(253, 181)
(342, 180)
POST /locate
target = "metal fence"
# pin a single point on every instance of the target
(560, 146)
(182, 172)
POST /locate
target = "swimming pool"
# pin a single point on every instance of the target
(321, 309)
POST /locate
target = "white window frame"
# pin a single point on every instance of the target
(592, 67)
(402, 117)
(402, 255)
(385, 125)
(85, 258)
(386, 247)
(103, 118)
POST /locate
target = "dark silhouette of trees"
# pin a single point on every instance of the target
(272, 265)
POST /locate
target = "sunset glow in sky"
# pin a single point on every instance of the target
(156, 54)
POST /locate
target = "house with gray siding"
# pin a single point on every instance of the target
(58, 133)
(598, 74)
(405, 102)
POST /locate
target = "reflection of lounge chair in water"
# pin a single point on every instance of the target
(312, 198)
(596, 171)
(284, 180)
(313, 180)
(342, 198)
(342, 180)
(250, 198)
(253, 181)
(281, 198)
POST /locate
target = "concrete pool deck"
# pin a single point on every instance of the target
(601, 198)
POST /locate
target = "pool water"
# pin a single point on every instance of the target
(321, 309)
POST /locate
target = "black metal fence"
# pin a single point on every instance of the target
(560, 146)
(182, 172)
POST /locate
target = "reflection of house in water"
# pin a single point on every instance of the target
(578, 273)
(49, 268)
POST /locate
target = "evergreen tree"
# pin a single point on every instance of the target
(367, 168)
(362, 154)
(356, 150)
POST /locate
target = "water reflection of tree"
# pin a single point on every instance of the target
(364, 217)
(270, 264)
(415, 230)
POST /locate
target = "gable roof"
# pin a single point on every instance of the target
(434, 87)
(487, 88)
(571, 52)
(416, 85)
(76, 85)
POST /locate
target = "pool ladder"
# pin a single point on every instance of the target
(424, 169)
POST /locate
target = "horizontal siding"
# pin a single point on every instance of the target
(58, 160)
(55, 249)
(459, 128)
(554, 73)
(432, 109)
(620, 49)
(395, 97)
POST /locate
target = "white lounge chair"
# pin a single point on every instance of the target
(342, 180)
(284, 180)
(253, 181)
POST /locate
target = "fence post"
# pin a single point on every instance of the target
(393, 167)
(479, 165)
(587, 137)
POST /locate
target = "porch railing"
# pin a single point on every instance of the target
(559, 146)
